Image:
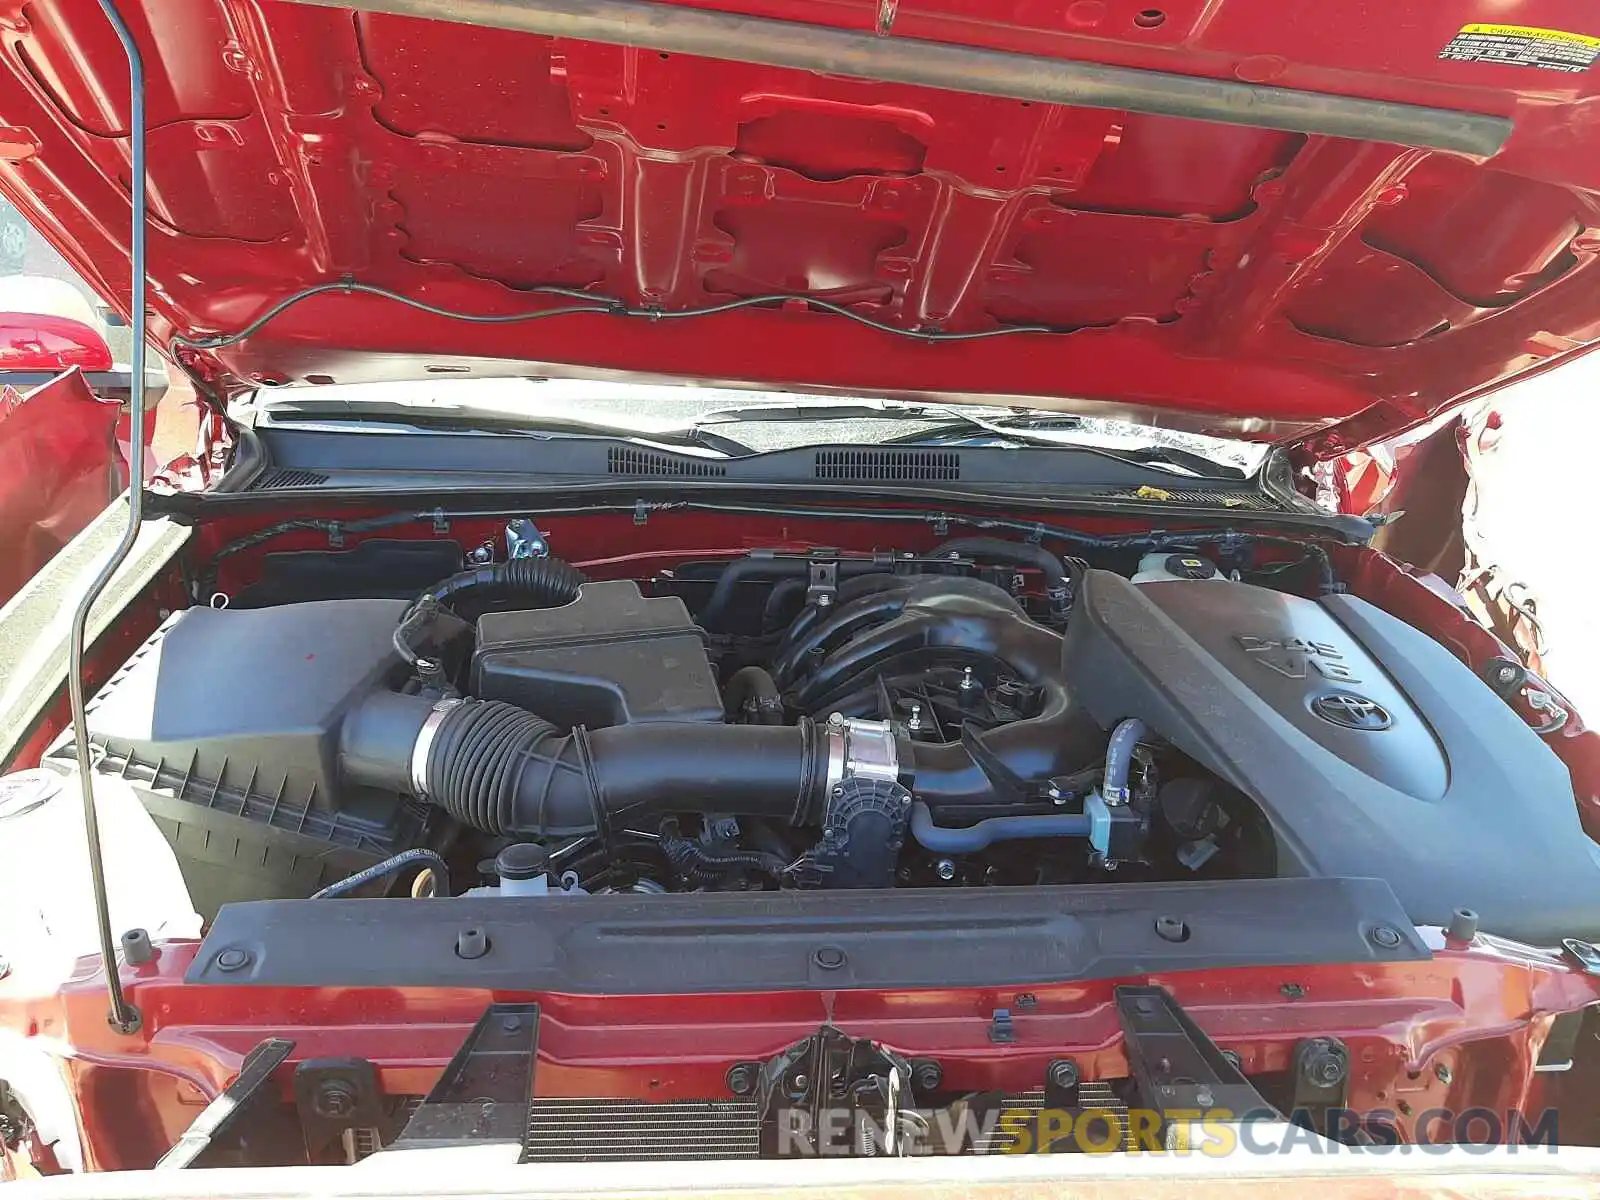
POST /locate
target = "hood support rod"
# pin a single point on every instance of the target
(655, 25)
(124, 1017)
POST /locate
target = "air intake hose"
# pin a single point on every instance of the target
(501, 769)
(544, 582)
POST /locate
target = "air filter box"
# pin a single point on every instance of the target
(611, 657)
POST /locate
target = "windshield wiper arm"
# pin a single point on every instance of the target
(455, 417)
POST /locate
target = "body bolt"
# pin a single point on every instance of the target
(742, 1078)
(1063, 1073)
(335, 1098)
(233, 960)
(926, 1075)
(946, 869)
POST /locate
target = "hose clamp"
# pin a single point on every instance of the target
(860, 749)
(421, 748)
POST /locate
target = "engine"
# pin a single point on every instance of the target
(987, 714)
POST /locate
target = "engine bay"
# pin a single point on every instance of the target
(982, 713)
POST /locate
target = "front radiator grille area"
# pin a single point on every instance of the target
(578, 1130)
(605, 1130)
(1093, 1096)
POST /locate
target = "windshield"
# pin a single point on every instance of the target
(749, 419)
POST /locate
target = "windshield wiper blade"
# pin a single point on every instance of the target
(1035, 429)
(1186, 460)
(456, 417)
(819, 413)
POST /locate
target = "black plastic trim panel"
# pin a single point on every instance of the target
(712, 942)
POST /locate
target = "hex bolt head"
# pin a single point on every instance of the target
(742, 1078)
(472, 943)
(233, 959)
(1063, 1073)
(1385, 937)
(946, 870)
(1323, 1063)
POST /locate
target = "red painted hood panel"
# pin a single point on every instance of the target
(1235, 279)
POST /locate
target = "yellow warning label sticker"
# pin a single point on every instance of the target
(1523, 46)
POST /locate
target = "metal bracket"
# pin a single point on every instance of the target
(524, 540)
(641, 512)
(335, 536)
(1560, 1046)
(340, 1104)
(441, 525)
(1320, 1080)
(831, 1069)
(823, 584)
(1176, 1068)
(214, 1133)
(484, 1094)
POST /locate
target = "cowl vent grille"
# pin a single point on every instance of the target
(288, 477)
(629, 460)
(897, 465)
(1248, 501)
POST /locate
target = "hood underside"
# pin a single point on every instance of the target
(1261, 281)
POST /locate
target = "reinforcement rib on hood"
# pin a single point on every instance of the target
(1270, 280)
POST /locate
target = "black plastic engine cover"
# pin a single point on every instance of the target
(1371, 749)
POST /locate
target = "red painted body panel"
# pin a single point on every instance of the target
(1259, 282)
(38, 342)
(1481, 1012)
(60, 464)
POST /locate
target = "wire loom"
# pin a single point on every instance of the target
(1227, 540)
(596, 304)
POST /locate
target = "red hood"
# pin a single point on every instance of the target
(1232, 278)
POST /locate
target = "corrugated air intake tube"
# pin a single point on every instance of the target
(543, 582)
(501, 769)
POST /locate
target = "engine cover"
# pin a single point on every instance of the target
(1371, 749)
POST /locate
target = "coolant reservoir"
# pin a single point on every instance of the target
(1162, 566)
(45, 887)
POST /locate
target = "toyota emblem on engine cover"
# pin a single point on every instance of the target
(1350, 711)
